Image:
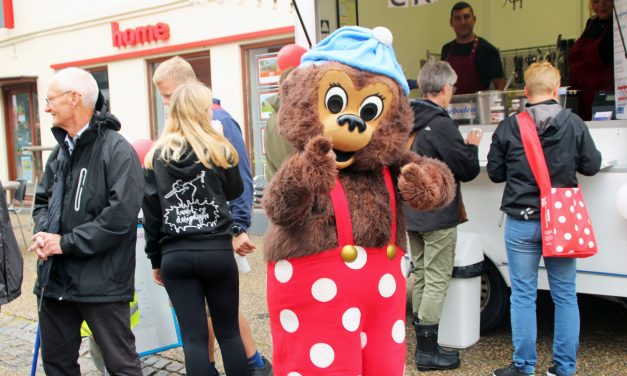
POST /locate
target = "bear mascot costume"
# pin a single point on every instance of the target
(336, 272)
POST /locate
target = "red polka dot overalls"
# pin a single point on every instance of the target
(329, 316)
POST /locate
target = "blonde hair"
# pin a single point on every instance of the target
(189, 125)
(176, 69)
(541, 78)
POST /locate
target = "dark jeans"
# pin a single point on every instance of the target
(191, 277)
(60, 324)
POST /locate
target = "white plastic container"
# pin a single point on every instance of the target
(461, 315)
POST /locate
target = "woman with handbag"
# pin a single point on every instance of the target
(568, 149)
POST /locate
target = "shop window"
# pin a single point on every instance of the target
(261, 80)
(101, 75)
(200, 62)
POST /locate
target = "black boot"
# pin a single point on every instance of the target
(429, 355)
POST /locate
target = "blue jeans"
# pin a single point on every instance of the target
(524, 249)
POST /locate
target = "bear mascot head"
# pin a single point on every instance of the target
(336, 272)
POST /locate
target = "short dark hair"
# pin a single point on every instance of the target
(461, 5)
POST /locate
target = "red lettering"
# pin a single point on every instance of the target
(141, 34)
(144, 34)
(116, 35)
(162, 31)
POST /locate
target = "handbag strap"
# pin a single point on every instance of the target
(533, 150)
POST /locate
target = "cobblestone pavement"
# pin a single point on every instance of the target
(603, 350)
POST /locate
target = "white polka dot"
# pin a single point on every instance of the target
(591, 244)
(294, 374)
(323, 290)
(586, 231)
(398, 331)
(558, 205)
(576, 228)
(559, 249)
(351, 319)
(387, 285)
(289, 320)
(283, 271)
(581, 203)
(581, 241)
(568, 236)
(321, 355)
(572, 209)
(360, 261)
(562, 219)
(568, 193)
(364, 339)
(579, 216)
(570, 252)
(553, 190)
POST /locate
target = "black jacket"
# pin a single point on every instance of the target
(11, 263)
(438, 137)
(568, 149)
(92, 199)
(185, 206)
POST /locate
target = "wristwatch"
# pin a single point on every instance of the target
(236, 230)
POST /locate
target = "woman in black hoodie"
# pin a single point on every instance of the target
(191, 173)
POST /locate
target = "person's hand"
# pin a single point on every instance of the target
(46, 245)
(242, 244)
(156, 276)
(474, 136)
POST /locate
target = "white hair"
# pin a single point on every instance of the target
(80, 81)
(434, 75)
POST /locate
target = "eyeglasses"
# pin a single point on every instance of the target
(49, 100)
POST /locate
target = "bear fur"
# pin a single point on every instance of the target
(297, 200)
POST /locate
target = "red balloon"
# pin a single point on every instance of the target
(289, 56)
(141, 148)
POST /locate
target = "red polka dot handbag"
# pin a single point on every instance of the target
(566, 227)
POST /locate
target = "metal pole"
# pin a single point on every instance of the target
(33, 367)
(302, 23)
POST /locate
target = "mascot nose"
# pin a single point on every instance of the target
(353, 122)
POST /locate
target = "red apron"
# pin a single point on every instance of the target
(331, 317)
(468, 81)
(588, 72)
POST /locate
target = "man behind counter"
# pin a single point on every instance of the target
(475, 60)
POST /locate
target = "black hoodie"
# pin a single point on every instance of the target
(185, 206)
(437, 136)
(568, 149)
(91, 199)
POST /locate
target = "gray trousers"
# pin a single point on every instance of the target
(432, 253)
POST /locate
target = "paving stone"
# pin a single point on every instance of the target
(174, 366)
(162, 373)
(161, 363)
(150, 360)
(147, 371)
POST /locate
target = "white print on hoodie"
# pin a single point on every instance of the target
(190, 213)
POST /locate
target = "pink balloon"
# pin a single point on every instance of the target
(289, 56)
(141, 148)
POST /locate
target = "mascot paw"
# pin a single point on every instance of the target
(426, 186)
(319, 170)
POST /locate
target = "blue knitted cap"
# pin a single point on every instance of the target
(360, 48)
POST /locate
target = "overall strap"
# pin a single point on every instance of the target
(390, 187)
(534, 151)
(343, 223)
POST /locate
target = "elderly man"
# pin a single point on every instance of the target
(169, 75)
(433, 234)
(476, 62)
(85, 230)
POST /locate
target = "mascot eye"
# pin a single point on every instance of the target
(371, 108)
(335, 100)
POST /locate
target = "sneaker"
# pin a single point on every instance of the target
(510, 370)
(266, 370)
(552, 371)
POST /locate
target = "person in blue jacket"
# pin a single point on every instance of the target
(167, 77)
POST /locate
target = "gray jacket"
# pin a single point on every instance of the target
(11, 263)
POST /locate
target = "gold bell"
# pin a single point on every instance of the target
(349, 253)
(391, 251)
